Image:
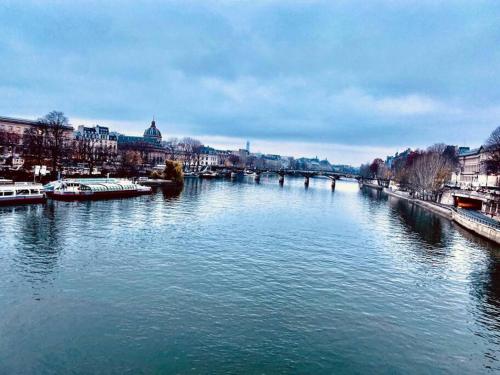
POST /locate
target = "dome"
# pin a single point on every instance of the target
(152, 132)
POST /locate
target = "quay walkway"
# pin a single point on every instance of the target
(478, 217)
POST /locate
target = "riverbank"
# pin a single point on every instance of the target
(477, 226)
(434, 207)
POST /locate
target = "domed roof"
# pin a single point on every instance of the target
(152, 132)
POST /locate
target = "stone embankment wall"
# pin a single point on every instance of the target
(476, 227)
(444, 211)
(481, 229)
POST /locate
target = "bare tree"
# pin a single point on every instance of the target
(192, 148)
(428, 174)
(492, 146)
(34, 146)
(173, 148)
(378, 169)
(55, 127)
(8, 143)
(364, 170)
(131, 160)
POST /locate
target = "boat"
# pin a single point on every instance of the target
(190, 174)
(155, 181)
(12, 193)
(209, 174)
(94, 188)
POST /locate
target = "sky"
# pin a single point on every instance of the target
(343, 80)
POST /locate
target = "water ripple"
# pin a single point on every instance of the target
(245, 278)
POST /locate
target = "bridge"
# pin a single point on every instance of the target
(307, 174)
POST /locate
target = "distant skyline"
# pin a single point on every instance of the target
(345, 80)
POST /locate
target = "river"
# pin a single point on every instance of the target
(238, 277)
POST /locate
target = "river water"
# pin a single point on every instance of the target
(238, 277)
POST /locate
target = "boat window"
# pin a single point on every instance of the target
(6, 193)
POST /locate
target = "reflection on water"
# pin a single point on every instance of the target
(241, 277)
(428, 226)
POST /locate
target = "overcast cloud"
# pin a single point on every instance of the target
(346, 80)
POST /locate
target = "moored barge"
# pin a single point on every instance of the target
(12, 193)
(94, 188)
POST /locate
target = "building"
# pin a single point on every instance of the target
(209, 156)
(313, 164)
(94, 146)
(474, 187)
(149, 145)
(13, 132)
(98, 137)
(471, 174)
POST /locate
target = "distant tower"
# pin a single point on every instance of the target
(248, 146)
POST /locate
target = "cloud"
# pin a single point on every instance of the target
(406, 105)
(364, 74)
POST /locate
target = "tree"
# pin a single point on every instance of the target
(173, 148)
(34, 146)
(364, 171)
(173, 171)
(428, 173)
(377, 168)
(92, 152)
(448, 152)
(192, 149)
(55, 126)
(492, 146)
(131, 161)
(8, 143)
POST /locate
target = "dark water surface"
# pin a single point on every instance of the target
(244, 278)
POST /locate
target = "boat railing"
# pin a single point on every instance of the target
(27, 184)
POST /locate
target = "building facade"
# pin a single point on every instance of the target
(13, 132)
(149, 146)
(472, 174)
(98, 138)
(474, 188)
(209, 157)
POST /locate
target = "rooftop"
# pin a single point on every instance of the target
(20, 121)
(466, 152)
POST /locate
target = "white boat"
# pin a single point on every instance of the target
(21, 193)
(209, 174)
(94, 188)
(190, 174)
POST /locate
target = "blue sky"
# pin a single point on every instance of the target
(347, 80)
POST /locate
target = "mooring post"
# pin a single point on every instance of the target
(281, 179)
(306, 181)
(257, 177)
